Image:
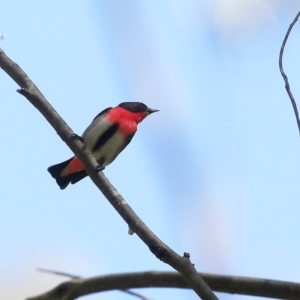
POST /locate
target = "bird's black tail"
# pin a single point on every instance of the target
(63, 181)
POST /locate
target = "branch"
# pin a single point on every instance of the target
(76, 277)
(156, 246)
(287, 85)
(135, 294)
(220, 283)
(72, 276)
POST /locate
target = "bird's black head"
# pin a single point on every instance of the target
(137, 107)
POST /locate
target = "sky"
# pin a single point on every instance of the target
(216, 172)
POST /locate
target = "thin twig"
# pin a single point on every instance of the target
(180, 263)
(220, 283)
(135, 294)
(287, 85)
(59, 273)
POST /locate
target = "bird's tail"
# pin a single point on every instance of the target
(63, 181)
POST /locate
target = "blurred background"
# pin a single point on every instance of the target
(215, 173)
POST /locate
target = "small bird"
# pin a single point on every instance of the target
(107, 136)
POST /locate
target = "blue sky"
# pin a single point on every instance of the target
(215, 173)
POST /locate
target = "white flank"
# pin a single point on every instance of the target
(111, 148)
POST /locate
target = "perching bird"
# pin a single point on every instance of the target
(109, 133)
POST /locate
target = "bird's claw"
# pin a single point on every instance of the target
(77, 137)
(99, 168)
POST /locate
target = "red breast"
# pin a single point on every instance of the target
(127, 120)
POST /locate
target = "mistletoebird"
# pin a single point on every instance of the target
(107, 136)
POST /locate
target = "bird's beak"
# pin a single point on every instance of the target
(151, 110)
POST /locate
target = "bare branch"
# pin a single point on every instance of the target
(157, 247)
(287, 85)
(220, 283)
(76, 277)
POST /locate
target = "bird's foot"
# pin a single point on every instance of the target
(99, 168)
(77, 137)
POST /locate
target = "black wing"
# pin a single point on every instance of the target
(103, 112)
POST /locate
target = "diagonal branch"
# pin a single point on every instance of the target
(59, 273)
(157, 247)
(287, 85)
(74, 289)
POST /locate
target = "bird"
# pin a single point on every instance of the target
(106, 137)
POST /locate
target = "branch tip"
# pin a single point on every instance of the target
(285, 78)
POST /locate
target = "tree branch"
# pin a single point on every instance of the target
(220, 283)
(76, 277)
(287, 85)
(135, 294)
(157, 247)
(72, 276)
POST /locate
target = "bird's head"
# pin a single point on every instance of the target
(138, 109)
